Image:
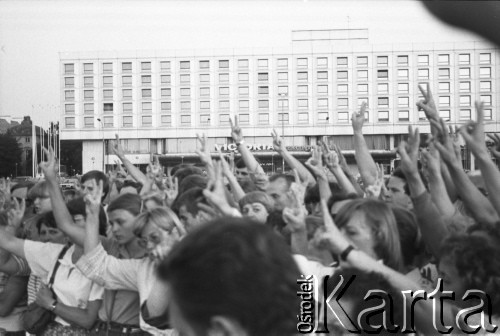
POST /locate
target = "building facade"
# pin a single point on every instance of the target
(158, 101)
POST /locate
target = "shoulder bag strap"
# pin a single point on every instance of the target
(56, 266)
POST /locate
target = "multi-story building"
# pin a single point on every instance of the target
(158, 101)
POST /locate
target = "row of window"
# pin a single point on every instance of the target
(301, 62)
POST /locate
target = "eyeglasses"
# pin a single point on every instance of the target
(154, 239)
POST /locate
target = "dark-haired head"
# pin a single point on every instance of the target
(97, 176)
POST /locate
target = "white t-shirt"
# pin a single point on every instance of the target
(70, 285)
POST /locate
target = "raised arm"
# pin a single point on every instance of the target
(366, 164)
(315, 163)
(332, 161)
(132, 170)
(236, 189)
(293, 163)
(250, 162)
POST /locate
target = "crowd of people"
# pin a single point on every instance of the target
(221, 248)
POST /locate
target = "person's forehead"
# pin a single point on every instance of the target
(89, 182)
(279, 184)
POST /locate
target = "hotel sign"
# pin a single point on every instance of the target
(260, 147)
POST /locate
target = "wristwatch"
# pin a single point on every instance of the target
(53, 305)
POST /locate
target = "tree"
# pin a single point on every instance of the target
(10, 155)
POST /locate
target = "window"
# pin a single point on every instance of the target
(88, 94)
(244, 104)
(88, 68)
(205, 105)
(166, 92)
(283, 104)
(382, 61)
(323, 103)
(147, 107)
(224, 104)
(487, 114)
(444, 73)
(362, 100)
(342, 88)
(486, 99)
(127, 94)
(127, 108)
(146, 80)
(263, 118)
(383, 102)
(126, 66)
(185, 78)
(69, 95)
(145, 66)
(261, 90)
(341, 61)
(403, 73)
(107, 81)
(165, 66)
(243, 77)
(343, 116)
(302, 89)
(204, 78)
(107, 67)
(382, 88)
(323, 62)
(205, 119)
(263, 104)
(205, 91)
(69, 108)
(403, 101)
(244, 119)
(166, 107)
(69, 69)
(185, 65)
(444, 87)
(423, 59)
(302, 62)
(147, 120)
(403, 115)
(322, 75)
(186, 105)
(88, 108)
(224, 91)
(383, 116)
(185, 120)
(464, 87)
(323, 117)
(282, 62)
(283, 90)
(445, 114)
(69, 122)
(465, 100)
(423, 74)
(107, 107)
(283, 117)
(403, 88)
(485, 58)
(362, 60)
(343, 103)
(262, 63)
(166, 120)
(88, 122)
(146, 93)
(464, 72)
(243, 63)
(223, 78)
(402, 60)
(243, 90)
(223, 64)
(322, 89)
(88, 81)
(464, 115)
(444, 101)
(464, 59)
(107, 94)
(127, 122)
(363, 75)
(485, 86)
(383, 74)
(303, 103)
(126, 80)
(263, 76)
(342, 75)
(69, 81)
(282, 76)
(443, 59)
(302, 75)
(185, 92)
(303, 117)
(362, 88)
(485, 72)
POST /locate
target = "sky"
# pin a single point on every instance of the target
(33, 33)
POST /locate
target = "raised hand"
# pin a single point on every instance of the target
(446, 144)
(358, 119)
(93, 199)
(328, 236)
(278, 144)
(427, 104)
(330, 158)
(171, 189)
(203, 151)
(15, 214)
(117, 147)
(49, 167)
(376, 189)
(431, 161)
(495, 150)
(236, 132)
(215, 192)
(315, 163)
(298, 189)
(473, 132)
(119, 169)
(409, 152)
